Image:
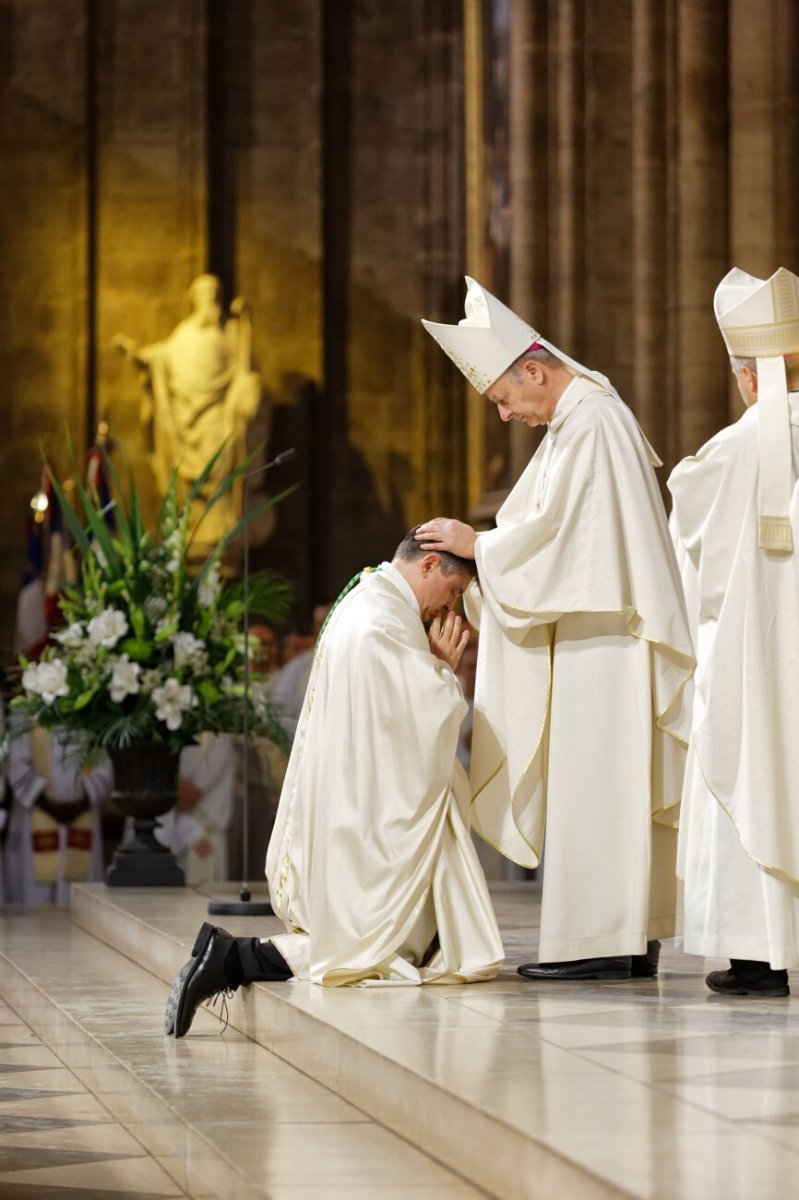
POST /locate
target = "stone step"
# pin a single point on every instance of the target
(221, 1116)
(428, 1064)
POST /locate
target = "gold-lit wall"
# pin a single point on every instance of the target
(601, 162)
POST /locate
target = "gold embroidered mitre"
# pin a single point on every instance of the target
(490, 338)
(486, 341)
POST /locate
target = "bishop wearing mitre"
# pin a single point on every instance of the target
(580, 711)
(736, 522)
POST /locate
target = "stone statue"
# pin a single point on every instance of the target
(199, 393)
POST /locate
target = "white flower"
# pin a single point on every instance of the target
(107, 628)
(164, 624)
(172, 700)
(150, 679)
(260, 697)
(124, 679)
(209, 588)
(46, 679)
(174, 544)
(72, 636)
(189, 651)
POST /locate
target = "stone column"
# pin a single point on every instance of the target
(151, 190)
(567, 177)
(702, 250)
(44, 303)
(529, 174)
(651, 257)
(442, 400)
(764, 139)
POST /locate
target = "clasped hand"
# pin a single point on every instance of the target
(448, 638)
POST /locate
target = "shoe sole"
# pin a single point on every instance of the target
(759, 993)
(604, 976)
(174, 1006)
(170, 1012)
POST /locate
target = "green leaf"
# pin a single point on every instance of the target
(269, 595)
(137, 648)
(84, 698)
(75, 524)
(208, 691)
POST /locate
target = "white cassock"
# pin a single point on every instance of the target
(371, 855)
(580, 721)
(739, 831)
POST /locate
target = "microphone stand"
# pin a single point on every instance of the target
(245, 906)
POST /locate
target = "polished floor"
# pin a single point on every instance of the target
(658, 1090)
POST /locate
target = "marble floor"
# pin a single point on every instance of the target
(657, 1089)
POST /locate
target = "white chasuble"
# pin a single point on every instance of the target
(371, 864)
(739, 834)
(580, 719)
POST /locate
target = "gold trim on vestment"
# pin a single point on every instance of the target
(768, 340)
(510, 858)
(775, 534)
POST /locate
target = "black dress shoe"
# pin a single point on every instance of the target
(579, 968)
(645, 966)
(177, 986)
(727, 983)
(202, 977)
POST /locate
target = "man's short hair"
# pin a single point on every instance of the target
(737, 363)
(542, 355)
(409, 550)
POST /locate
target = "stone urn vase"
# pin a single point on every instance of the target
(145, 787)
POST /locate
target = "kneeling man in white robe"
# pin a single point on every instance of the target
(579, 721)
(371, 865)
(736, 523)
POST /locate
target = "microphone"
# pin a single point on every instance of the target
(279, 460)
(245, 906)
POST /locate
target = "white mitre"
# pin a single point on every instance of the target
(486, 341)
(490, 338)
(759, 318)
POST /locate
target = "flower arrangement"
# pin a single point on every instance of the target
(153, 649)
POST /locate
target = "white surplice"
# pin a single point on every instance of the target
(739, 831)
(580, 723)
(371, 864)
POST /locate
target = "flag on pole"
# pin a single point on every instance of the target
(31, 626)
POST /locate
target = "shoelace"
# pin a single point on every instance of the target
(223, 996)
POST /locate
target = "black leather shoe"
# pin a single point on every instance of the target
(645, 966)
(202, 977)
(579, 968)
(727, 983)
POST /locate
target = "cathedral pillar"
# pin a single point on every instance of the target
(150, 189)
(764, 139)
(651, 258)
(567, 179)
(529, 175)
(702, 251)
